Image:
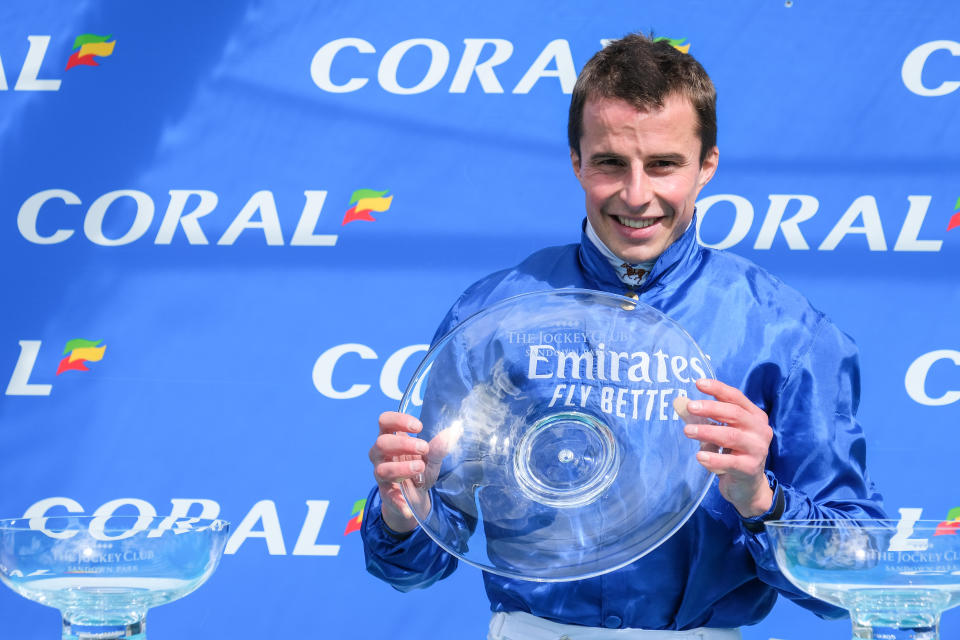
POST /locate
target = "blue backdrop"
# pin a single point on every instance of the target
(177, 198)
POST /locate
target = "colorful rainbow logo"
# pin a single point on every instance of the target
(365, 201)
(955, 220)
(676, 44)
(78, 353)
(354, 523)
(90, 46)
(951, 525)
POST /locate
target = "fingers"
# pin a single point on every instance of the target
(395, 455)
(726, 393)
(730, 463)
(390, 445)
(394, 422)
(741, 434)
(397, 458)
(722, 412)
(731, 407)
(731, 422)
(742, 431)
(397, 470)
(730, 439)
(742, 481)
(680, 406)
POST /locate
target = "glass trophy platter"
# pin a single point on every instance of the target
(895, 577)
(104, 572)
(555, 451)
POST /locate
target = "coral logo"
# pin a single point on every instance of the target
(903, 539)
(955, 220)
(951, 525)
(400, 361)
(29, 78)
(89, 46)
(261, 524)
(78, 352)
(676, 43)
(912, 71)
(354, 523)
(787, 212)
(480, 58)
(364, 202)
(915, 381)
(186, 211)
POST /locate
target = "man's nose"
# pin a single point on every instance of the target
(638, 190)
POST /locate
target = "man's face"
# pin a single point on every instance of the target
(641, 173)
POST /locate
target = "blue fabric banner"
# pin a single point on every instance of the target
(230, 229)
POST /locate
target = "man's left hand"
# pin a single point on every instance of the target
(743, 433)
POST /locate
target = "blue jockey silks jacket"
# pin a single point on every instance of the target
(762, 337)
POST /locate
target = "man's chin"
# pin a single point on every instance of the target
(633, 255)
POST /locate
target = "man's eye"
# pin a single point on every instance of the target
(610, 162)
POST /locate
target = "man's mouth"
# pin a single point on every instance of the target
(635, 224)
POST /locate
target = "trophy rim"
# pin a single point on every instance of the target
(31, 523)
(866, 524)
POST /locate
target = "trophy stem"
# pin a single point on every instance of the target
(79, 631)
(898, 615)
(878, 632)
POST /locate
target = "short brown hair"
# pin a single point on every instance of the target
(643, 72)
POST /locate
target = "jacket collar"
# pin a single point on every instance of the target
(677, 262)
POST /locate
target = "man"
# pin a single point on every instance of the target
(642, 134)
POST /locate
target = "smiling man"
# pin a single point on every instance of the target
(641, 170)
(642, 135)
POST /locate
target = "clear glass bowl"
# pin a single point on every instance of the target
(555, 450)
(894, 576)
(104, 572)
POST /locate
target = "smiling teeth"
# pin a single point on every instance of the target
(635, 224)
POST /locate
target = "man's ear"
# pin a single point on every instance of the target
(708, 167)
(575, 161)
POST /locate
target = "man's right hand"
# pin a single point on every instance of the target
(397, 457)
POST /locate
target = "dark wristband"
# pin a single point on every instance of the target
(755, 525)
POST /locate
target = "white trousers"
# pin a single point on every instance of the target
(518, 625)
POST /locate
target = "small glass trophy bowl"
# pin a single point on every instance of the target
(556, 452)
(104, 572)
(895, 577)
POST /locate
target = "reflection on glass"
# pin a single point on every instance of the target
(103, 573)
(555, 450)
(895, 577)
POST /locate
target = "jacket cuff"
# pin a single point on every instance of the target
(378, 535)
